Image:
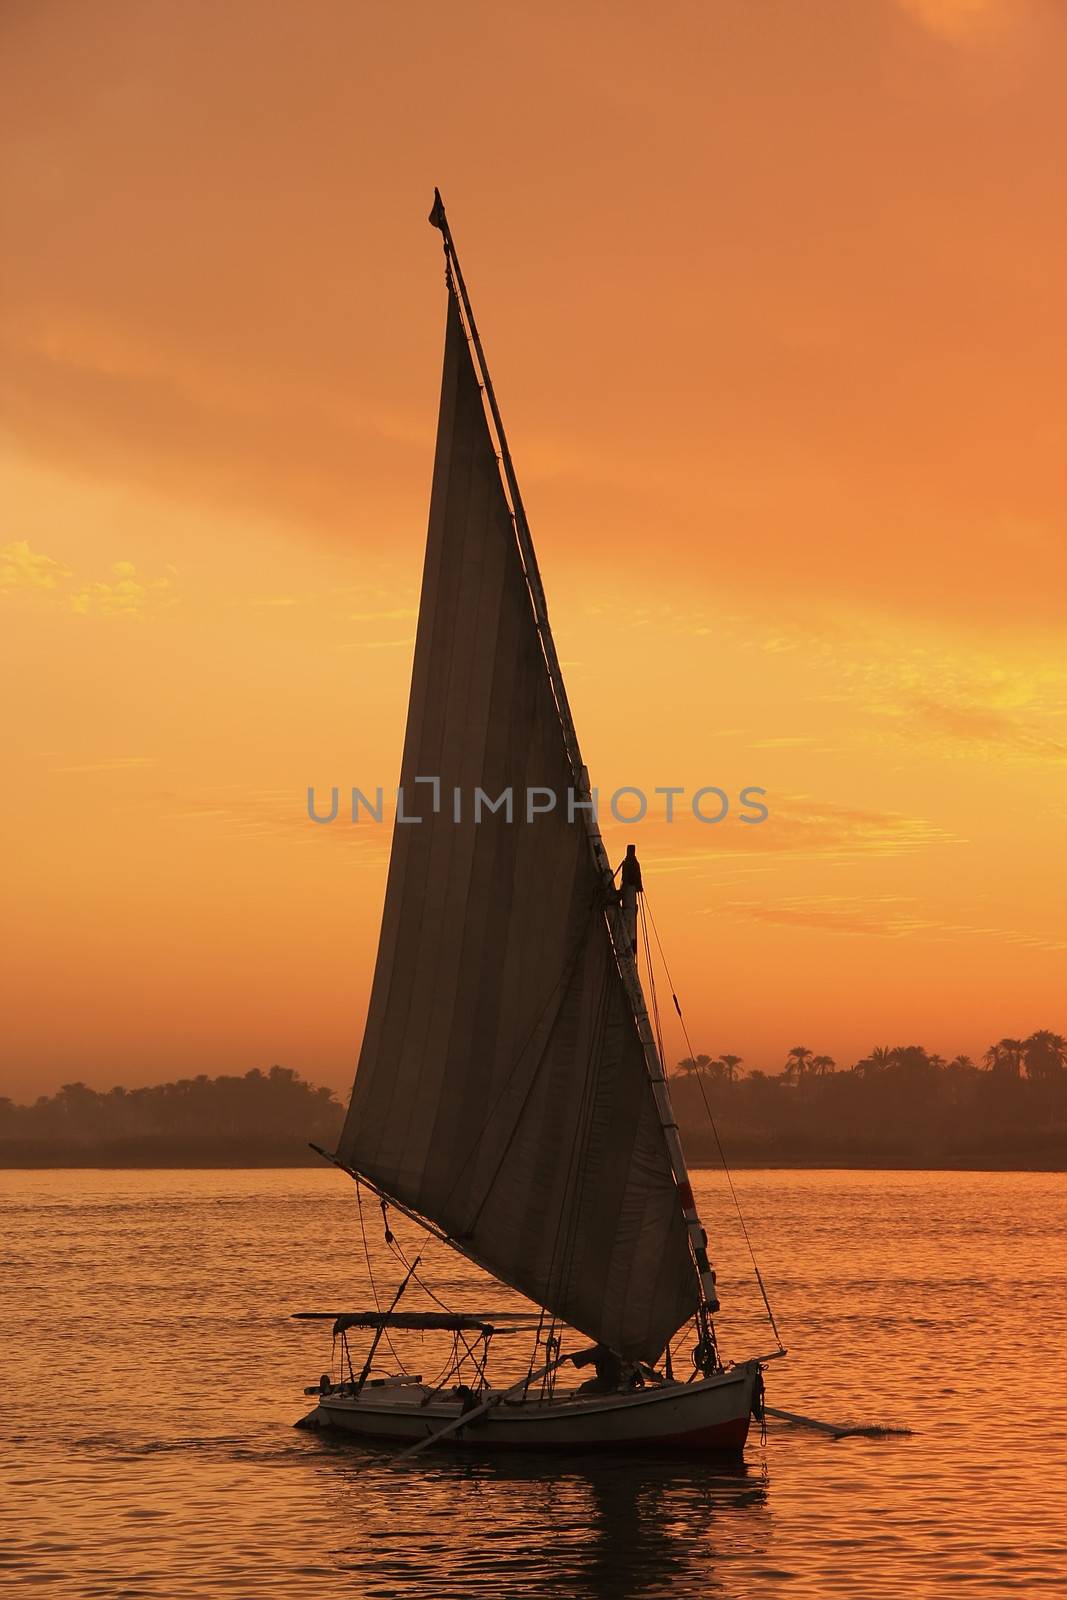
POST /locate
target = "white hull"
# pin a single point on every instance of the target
(711, 1414)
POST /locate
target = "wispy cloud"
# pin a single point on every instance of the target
(124, 593)
(802, 825)
(971, 728)
(885, 916)
(109, 764)
(23, 568)
(126, 596)
(797, 826)
(278, 814)
(957, 698)
(786, 742)
(963, 706)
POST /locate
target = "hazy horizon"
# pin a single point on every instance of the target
(675, 1068)
(896, 1108)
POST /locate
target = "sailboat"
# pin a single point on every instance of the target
(510, 1095)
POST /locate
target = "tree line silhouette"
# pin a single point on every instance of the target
(898, 1106)
(260, 1119)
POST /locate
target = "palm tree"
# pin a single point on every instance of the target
(913, 1067)
(1005, 1056)
(729, 1065)
(879, 1059)
(1045, 1054)
(962, 1064)
(693, 1067)
(796, 1063)
(821, 1065)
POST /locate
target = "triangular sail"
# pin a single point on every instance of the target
(502, 1091)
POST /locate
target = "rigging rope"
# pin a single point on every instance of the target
(533, 1353)
(370, 1275)
(391, 1241)
(652, 985)
(714, 1129)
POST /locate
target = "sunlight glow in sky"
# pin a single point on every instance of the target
(774, 301)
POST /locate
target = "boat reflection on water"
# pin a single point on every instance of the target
(601, 1526)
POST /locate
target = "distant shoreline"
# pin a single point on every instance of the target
(25, 1161)
(900, 1110)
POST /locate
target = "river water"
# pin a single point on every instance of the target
(150, 1377)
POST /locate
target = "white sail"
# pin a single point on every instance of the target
(502, 1090)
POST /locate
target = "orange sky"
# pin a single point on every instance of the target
(774, 300)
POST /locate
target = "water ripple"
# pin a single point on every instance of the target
(151, 1377)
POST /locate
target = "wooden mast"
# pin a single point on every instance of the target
(621, 941)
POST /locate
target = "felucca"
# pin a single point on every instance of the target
(510, 1095)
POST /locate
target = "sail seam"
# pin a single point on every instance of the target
(461, 653)
(579, 1145)
(560, 989)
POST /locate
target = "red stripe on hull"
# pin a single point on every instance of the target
(730, 1435)
(723, 1438)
